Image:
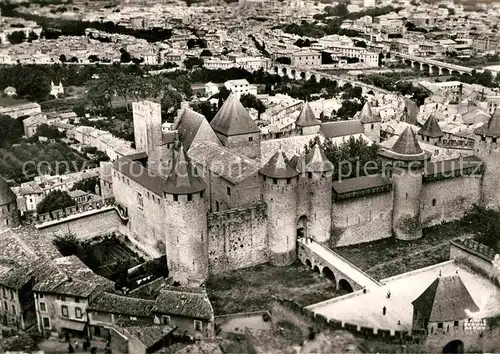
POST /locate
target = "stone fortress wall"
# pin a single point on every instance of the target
(364, 219)
(237, 238)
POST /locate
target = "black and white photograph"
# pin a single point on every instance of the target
(249, 176)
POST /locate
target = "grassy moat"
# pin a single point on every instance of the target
(386, 258)
(252, 289)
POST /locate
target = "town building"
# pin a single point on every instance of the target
(9, 213)
(18, 107)
(241, 87)
(306, 58)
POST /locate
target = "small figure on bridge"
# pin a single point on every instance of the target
(389, 294)
(364, 290)
(384, 310)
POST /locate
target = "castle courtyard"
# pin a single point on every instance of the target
(367, 309)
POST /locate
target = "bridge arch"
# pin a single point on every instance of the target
(284, 71)
(345, 286)
(302, 75)
(308, 264)
(446, 71)
(316, 269)
(276, 70)
(454, 72)
(302, 226)
(455, 346)
(328, 274)
(312, 78)
(293, 74)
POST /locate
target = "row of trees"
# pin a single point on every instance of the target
(54, 27)
(20, 36)
(355, 151)
(30, 82)
(392, 82)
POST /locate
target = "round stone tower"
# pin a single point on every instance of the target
(9, 214)
(487, 148)
(405, 163)
(186, 222)
(280, 195)
(316, 173)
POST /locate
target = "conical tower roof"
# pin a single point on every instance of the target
(406, 148)
(367, 116)
(6, 194)
(233, 119)
(431, 128)
(446, 299)
(407, 143)
(183, 178)
(278, 166)
(315, 161)
(492, 128)
(306, 117)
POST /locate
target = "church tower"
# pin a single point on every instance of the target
(186, 225)
(487, 148)
(370, 122)
(236, 129)
(9, 214)
(316, 178)
(431, 132)
(306, 123)
(405, 162)
(280, 195)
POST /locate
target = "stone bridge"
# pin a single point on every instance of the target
(345, 275)
(433, 66)
(297, 73)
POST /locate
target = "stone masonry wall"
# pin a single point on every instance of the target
(448, 199)
(237, 238)
(146, 226)
(361, 220)
(85, 225)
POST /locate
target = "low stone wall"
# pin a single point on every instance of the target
(84, 225)
(479, 257)
(320, 323)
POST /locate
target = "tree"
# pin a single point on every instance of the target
(347, 155)
(93, 58)
(205, 53)
(49, 132)
(125, 56)
(87, 185)
(32, 36)
(62, 58)
(11, 130)
(67, 244)
(360, 44)
(16, 37)
(55, 200)
(249, 100)
(223, 95)
(192, 62)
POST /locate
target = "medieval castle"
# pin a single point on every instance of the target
(219, 196)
